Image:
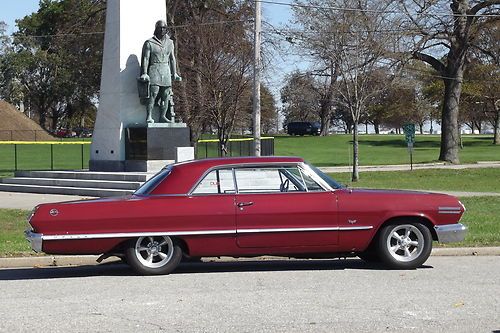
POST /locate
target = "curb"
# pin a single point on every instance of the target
(58, 261)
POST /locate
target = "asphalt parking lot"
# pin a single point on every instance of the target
(449, 294)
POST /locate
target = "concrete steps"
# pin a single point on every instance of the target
(83, 183)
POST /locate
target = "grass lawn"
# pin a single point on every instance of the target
(336, 150)
(321, 151)
(12, 226)
(483, 221)
(468, 180)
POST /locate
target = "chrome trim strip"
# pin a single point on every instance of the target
(449, 208)
(246, 231)
(449, 212)
(194, 233)
(449, 233)
(138, 234)
(355, 228)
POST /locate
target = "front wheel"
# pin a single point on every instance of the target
(404, 246)
(153, 255)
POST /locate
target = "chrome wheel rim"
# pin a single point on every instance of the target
(405, 242)
(154, 252)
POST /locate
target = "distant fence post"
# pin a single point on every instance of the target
(51, 157)
(15, 157)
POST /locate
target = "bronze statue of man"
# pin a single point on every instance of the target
(158, 71)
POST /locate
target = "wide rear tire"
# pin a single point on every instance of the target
(404, 246)
(156, 255)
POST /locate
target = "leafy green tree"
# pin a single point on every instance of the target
(445, 41)
(56, 59)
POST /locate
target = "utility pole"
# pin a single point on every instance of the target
(256, 78)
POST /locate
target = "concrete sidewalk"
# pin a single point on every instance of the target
(27, 201)
(422, 166)
(51, 261)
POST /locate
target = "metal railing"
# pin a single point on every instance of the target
(43, 155)
(235, 147)
(32, 135)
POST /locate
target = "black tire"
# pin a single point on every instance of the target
(404, 245)
(186, 258)
(156, 255)
(369, 256)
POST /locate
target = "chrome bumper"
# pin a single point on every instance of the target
(34, 239)
(450, 233)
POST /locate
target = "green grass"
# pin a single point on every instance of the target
(12, 226)
(466, 180)
(483, 221)
(321, 151)
(380, 149)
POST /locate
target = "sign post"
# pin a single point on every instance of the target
(409, 130)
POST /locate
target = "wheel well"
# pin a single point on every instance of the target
(418, 219)
(120, 248)
(182, 243)
(403, 219)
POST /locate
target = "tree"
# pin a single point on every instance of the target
(299, 98)
(56, 58)
(214, 49)
(352, 45)
(457, 32)
(482, 96)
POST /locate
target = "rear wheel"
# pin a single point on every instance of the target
(153, 255)
(404, 246)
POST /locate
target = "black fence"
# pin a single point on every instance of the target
(16, 156)
(40, 135)
(234, 147)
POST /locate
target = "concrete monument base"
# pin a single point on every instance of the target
(155, 142)
(146, 166)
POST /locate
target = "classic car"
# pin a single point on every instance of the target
(244, 207)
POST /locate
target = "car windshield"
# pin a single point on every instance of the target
(151, 184)
(333, 184)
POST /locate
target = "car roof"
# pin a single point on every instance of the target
(184, 174)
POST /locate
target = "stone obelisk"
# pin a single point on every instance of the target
(128, 24)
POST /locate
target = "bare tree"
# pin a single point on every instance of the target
(348, 40)
(214, 52)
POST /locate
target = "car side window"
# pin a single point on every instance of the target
(309, 184)
(216, 182)
(273, 180)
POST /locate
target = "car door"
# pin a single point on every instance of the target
(278, 206)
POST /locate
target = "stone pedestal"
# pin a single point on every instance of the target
(128, 24)
(146, 147)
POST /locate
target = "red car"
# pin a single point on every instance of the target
(249, 206)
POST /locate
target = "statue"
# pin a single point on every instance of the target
(158, 70)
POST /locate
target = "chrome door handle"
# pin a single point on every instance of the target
(243, 204)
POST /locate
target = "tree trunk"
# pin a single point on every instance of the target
(450, 133)
(355, 153)
(496, 137)
(325, 116)
(377, 128)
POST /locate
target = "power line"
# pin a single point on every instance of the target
(17, 35)
(372, 11)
